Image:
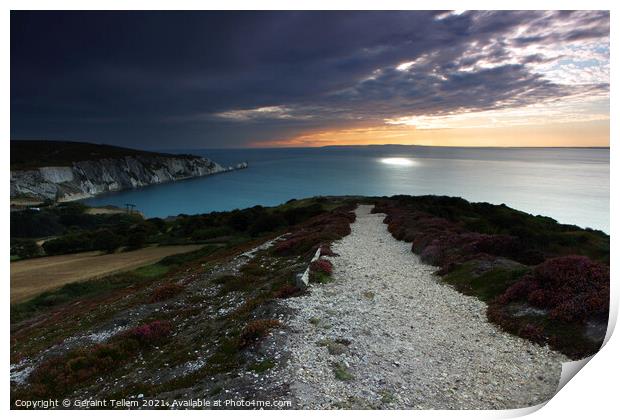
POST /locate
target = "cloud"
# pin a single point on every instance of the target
(215, 72)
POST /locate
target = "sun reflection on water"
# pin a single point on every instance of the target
(398, 161)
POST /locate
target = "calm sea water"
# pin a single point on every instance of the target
(570, 185)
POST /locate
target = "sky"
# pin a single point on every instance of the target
(171, 80)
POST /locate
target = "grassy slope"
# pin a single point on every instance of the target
(212, 308)
(31, 154)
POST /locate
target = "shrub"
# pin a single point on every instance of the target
(68, 244)
(326, 251)
(341, 372)
(106, 240)
(500, 230)
(321, 271)
(256, 330)
(136, 239)
(254, 269)
(286, 291)
(299, 214)
(151, 333)
(157, 224)
(212, 232)
(573, 288)
(447, 243)
(58, 375)
(532, 332)
(165, 292)
(267, 223)
(231, 283)
(240, 220)
(324, 228)
(322, 266)
(34, 224)
(25, 248)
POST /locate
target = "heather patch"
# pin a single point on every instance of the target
(317, 231)
(57, 376)
(511, 259)
(192, 321)
(165, 292)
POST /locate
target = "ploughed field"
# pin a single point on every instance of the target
(232, 319)
(34, 276)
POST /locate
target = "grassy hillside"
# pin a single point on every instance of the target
(31, 154)
(185, 325)
(191, 325)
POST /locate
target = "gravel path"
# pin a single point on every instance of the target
(387, 334)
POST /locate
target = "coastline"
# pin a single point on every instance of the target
(19, 202)
(238, 167)
(395, 281)
(578, 194)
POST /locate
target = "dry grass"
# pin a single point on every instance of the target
(34, 276)
(110, 210)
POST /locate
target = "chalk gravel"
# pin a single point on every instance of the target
(414, 342)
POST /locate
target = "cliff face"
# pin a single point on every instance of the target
(87, 178)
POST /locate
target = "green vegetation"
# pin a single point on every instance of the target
(61, 374)
(102, 287)
(262, 366)
(165, 292)
(320, 278)
(187, 257)
(24, 248)
(321, 271)
(544, 281)
(75, 229)
(387, 397)
(341, 372)
(334, 347)
(29, 154)
(540, 233)
(73, 291)
(256, 330)
(218, 313)
(68, 228)
(369, 295)
(105, 240)
(153, 270)
(485, 285)
(62, 219)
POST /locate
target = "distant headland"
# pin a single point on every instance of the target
(65, 171)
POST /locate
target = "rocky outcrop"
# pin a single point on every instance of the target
(91, 177)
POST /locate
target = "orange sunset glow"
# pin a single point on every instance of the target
(589, 134)
(466, 78)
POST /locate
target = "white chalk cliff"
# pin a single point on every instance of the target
(91, 177)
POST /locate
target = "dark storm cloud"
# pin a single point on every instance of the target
(165, 79)
(394, 92)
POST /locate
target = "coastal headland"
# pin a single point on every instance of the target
(412, 302)
(67, 171)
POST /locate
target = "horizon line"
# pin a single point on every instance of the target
(322, 147)
(392, 144)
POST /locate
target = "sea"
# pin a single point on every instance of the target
(570, 185)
